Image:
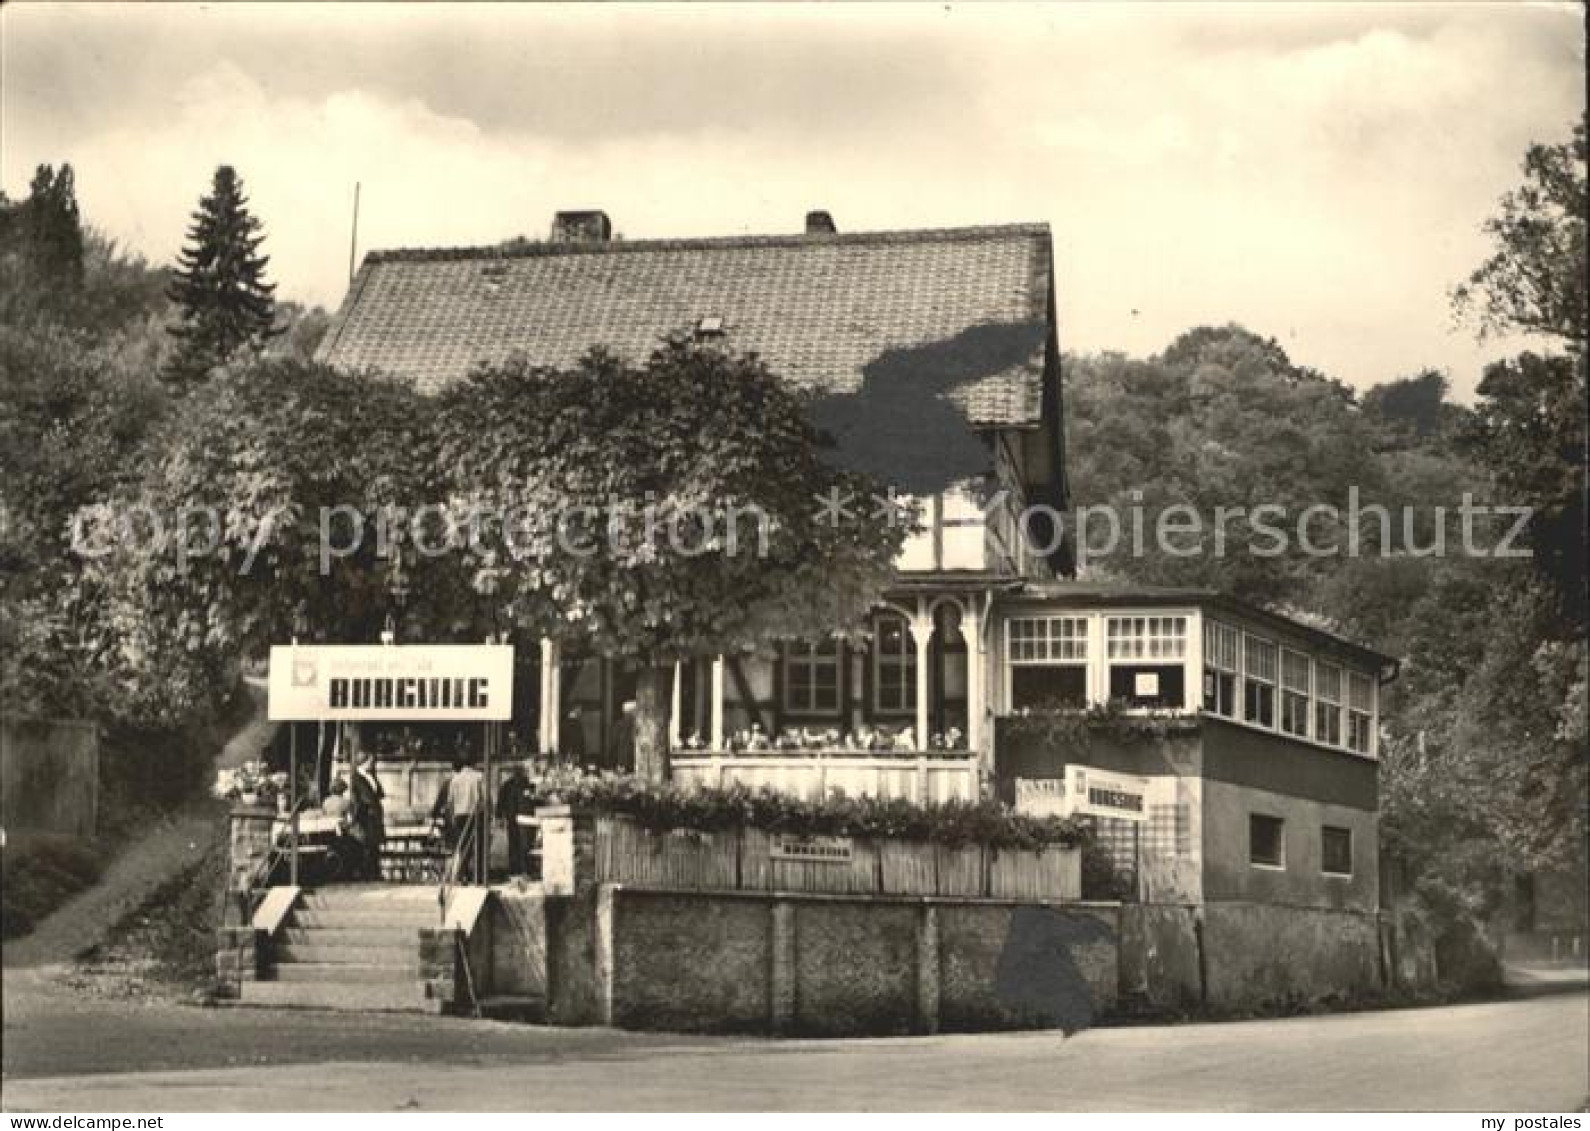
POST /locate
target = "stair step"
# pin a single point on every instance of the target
(379, 954)
(347, 973)
(408, 997)
(344, 917)
(406, 937)
(371, 896)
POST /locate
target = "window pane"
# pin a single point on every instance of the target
(1328, 683)
(1336, 851)
(1294, 671)
(1149, 685)
(1220, 693)
(1134, 638)
(1266, 841)
(1258, 659)
(1048, 686)
(1258, 703)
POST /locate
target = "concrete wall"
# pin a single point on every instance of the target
(1263, 955)
(1232, 955)
(1300, 882)
(763, 962)
(49, 776)
(1162, 958)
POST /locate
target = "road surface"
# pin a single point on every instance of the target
(66, 1054)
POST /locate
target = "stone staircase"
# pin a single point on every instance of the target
(349, 946)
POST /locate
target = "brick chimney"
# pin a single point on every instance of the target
(590, 226)
(819, 223)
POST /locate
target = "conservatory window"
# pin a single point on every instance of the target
(1328, 704)
(1048, 661)
(1360, 712)
(1222, 665)
(1258, 683)
(1294, 692)
(1146, 657)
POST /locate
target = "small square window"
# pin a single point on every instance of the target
(1336, 851)
(1266, 841)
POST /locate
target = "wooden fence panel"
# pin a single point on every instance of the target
(960, 871)
(49, 776)
(629, 854)
(907, 868)
(1050, 875)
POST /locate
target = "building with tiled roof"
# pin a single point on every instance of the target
(932, 356)
(1228, 755)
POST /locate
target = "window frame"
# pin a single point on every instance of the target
(1279, 863)
(1252, 679)
(905, 660)
(1328, 704)
(1138, 650)
(1360, 716)
(812, 659)
(1324, 856)
(1294, 700)
(1216, 634)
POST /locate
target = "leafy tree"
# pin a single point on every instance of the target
(1529, 429)
(644, 487)
(1534, 280)
(226, 306)
(1412, 410)
(1221, 419)
(276, 452)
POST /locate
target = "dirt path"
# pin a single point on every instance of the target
(138, 870)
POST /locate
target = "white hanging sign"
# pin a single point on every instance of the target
(409, 682)
(1100, 793)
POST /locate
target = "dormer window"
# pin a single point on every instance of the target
(492, 275)
(709, 327)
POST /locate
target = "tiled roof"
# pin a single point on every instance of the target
(828, 312)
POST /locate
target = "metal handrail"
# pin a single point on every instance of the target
(449, 880)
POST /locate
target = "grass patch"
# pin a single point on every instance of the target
(41, 871)
(165, 947)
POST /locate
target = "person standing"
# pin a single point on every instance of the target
(517, 798)
(368, 814)
(466, 810)
(571, 738)
(621, 743)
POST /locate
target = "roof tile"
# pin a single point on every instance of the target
(818, 309)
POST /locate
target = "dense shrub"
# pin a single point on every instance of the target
(661, 808)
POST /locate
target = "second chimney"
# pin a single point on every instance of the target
(820, 223)
(581, 227)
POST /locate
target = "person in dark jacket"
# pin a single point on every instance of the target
(517, 798)
(367, 814)
(571, 737)
(621, 742)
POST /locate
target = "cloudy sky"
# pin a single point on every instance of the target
(1316, 173)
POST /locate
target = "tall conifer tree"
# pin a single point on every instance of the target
(227, 306)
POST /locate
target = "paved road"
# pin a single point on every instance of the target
(1528, 1055)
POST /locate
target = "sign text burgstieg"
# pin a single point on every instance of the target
(411, 682)
(380, 692)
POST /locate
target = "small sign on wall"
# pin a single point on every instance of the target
(1041, 797)
(812, 849)
(1145, 685)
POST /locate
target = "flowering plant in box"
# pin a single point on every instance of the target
(248, 784)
